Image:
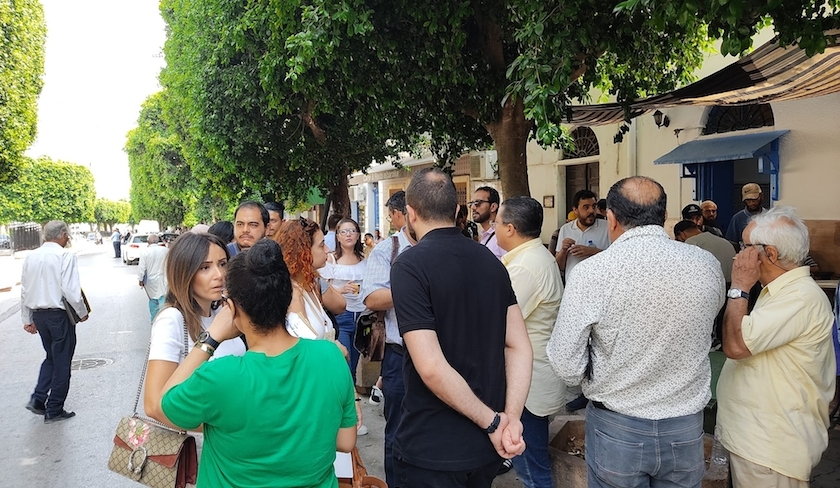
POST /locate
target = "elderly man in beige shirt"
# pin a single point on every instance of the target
(538, 287)
(779, 377)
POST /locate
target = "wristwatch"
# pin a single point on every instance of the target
(736, 293)
(205, 338)
(494, 424)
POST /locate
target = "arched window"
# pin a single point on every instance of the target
(586, 144)
(731, 118)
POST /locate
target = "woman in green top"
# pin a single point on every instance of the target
(275, 416)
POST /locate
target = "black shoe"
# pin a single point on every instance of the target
(63, 415)
(36, 407)
(504, 467)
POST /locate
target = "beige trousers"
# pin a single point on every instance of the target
(747, 474)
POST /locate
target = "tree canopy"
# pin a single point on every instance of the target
(47, 190)
(22, 37)
(282, 95)
(109, 212)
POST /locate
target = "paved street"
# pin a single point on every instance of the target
(74, 453)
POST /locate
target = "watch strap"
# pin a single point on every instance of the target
(743, 294)
(207, 339)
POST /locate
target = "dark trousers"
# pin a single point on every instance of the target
(59, 340)
(410, 476)
(394, 390)
(116, 249)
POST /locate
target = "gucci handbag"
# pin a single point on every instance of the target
(151, 453)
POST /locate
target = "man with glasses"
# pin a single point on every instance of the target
(484, 205)
(376, 294)
(779, 378)
(751, 195)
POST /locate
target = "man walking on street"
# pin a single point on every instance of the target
(467, 369)
(778, 380)
(644, 367)
(116, 240)
(152, 274)
(376, 293)
(249, 224)
(49, 283)
(537, 284)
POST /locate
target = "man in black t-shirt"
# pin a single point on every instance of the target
(467, 371)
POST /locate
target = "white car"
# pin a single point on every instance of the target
(131, 250)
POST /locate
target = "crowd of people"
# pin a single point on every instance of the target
(488, 334)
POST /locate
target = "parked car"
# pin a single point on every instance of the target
(94, 237)
(131, 249)
(5, 242)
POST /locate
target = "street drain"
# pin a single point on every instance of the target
(89, 363)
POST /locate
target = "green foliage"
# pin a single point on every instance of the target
(47, 190)
(22, 36)
(282, 95)
(109, 212)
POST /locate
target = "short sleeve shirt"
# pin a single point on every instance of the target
(595, 236)
(454, 287)
(268, 421)
(167, 341)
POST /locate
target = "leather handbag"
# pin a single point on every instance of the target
(152, 453)
(370, 335)
(360, 477)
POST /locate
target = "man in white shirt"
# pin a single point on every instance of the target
(538, 287)
(152, 274)
(644, 366)
(49, 283)
(583, 237)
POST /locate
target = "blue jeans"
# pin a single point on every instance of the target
(59, 340)
(346, 335)
(534, 466)
(629, 452)
(393, 388)
(155, 304)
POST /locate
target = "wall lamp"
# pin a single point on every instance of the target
(660, 119)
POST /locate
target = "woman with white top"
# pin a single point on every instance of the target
(345, 271)
(305, 252)
(195, 270)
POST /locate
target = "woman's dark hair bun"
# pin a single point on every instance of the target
(265, 258)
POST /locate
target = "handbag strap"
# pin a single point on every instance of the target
(143, 378)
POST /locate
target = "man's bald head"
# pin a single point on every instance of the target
(637, 201)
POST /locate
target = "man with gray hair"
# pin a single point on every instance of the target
(152, 274)
(49, 284)
(779, 377)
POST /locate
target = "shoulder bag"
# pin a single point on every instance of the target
(152, 453)
(360, 477)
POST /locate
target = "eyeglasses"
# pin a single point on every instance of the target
(348, 232)
(477, 203)
(388, 218)
(744, 245)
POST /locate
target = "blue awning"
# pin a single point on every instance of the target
(712, 149)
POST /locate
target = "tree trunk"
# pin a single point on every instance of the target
(510, 136)
(341, 194)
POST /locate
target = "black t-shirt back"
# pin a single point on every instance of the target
(459, 289)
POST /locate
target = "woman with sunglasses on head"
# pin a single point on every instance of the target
(344, 271)
(258, 411)
(195, 272)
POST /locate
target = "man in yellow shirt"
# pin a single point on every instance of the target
(774, 389)
(538, 287)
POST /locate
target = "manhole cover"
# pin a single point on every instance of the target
(89, 363)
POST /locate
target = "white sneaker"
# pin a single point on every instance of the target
(376, 395)
(362, 430)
